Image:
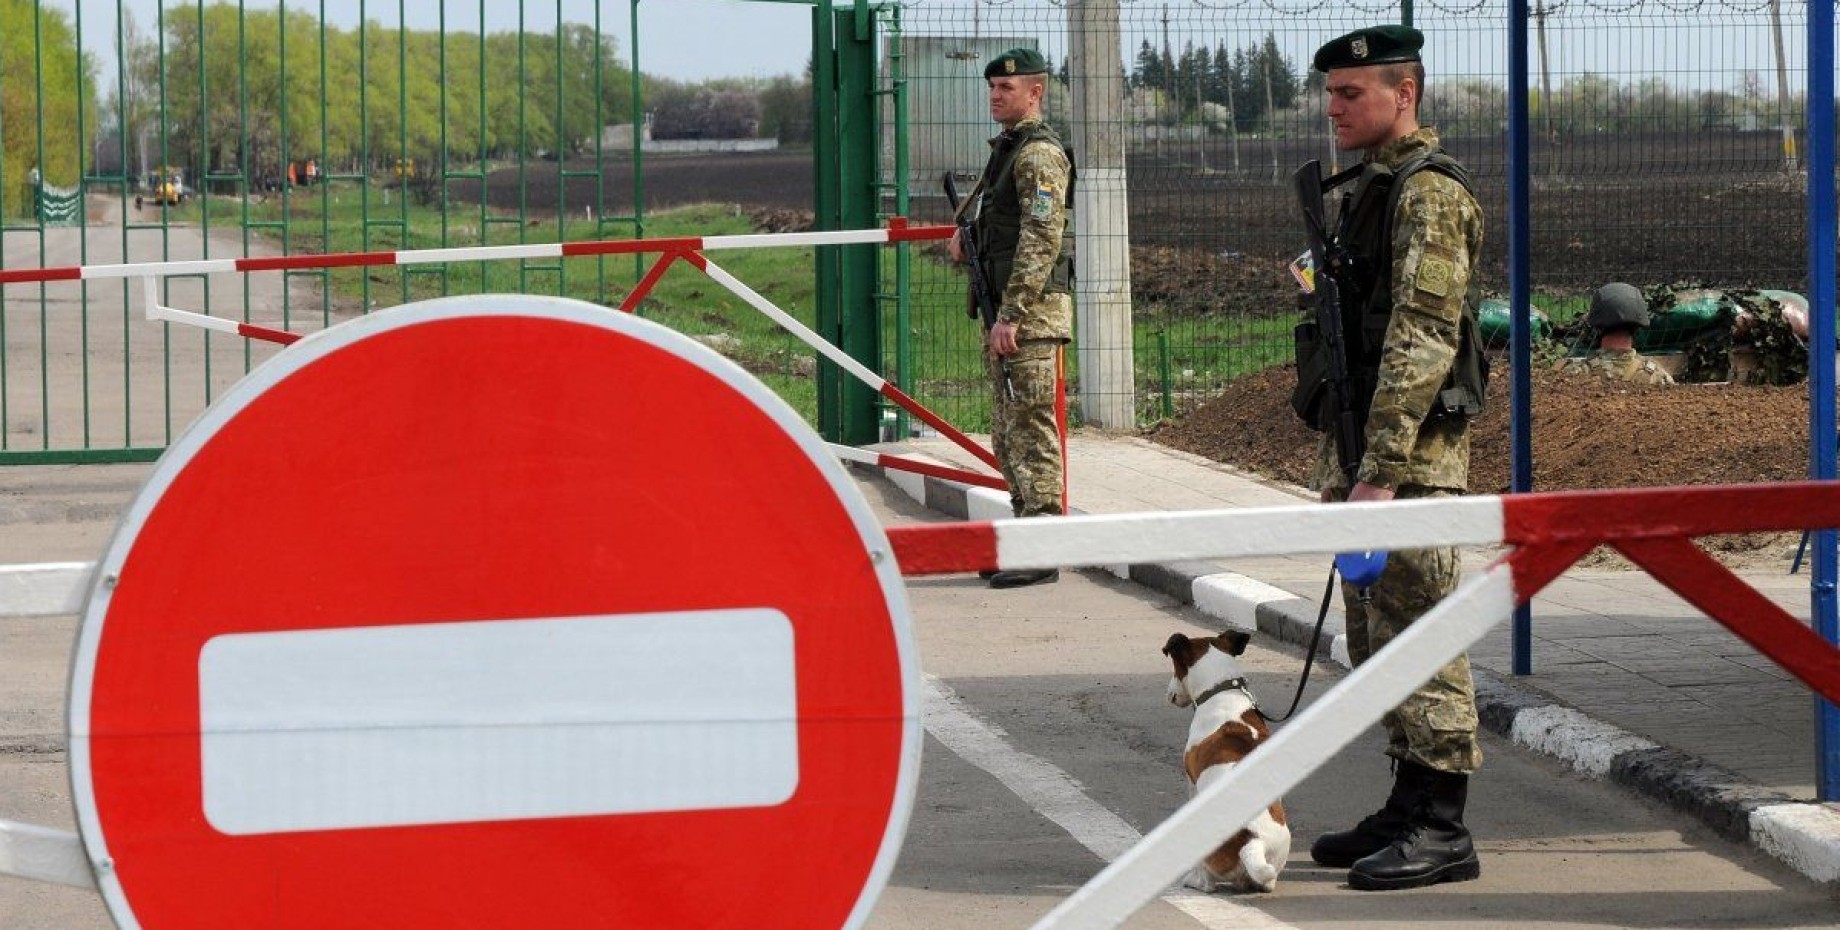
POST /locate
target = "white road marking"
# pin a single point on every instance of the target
(1056, 796)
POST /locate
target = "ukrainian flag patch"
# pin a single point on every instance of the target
(1043, 205)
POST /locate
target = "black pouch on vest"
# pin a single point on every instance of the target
(1312, 392)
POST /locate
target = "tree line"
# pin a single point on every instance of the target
(46, 107)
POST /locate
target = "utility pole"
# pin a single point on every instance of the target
(1782, 89)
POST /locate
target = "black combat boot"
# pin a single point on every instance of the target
(1435, 846)
(1023, 577)
(1342, 849)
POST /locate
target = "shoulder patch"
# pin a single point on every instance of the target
(1434, 275)
(1043, 206)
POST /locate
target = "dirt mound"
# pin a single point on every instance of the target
(1587, 433)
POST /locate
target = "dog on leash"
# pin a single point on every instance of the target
(1227, 725)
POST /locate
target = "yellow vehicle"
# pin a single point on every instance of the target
(166, 186)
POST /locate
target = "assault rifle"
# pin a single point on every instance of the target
(1330, 259)
(983, 305)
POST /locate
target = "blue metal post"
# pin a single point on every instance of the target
(1821, 439)
(1520, 324)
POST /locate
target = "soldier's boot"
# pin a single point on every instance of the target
(1435, 846)
(1022, 578)
(1375, 831)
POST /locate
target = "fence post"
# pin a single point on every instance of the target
(1102, 257)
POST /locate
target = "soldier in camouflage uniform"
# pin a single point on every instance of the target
(1617, 311)
(1421, 313)
(1027, 257)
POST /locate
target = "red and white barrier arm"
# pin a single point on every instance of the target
(918, 467)
(1164, 536)
(158, 313)
(856, 369)
(896, 231)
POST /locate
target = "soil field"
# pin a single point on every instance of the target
(1587, 433)
(779, 179)
(1714, 208)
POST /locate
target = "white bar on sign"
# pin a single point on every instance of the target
(498, 720)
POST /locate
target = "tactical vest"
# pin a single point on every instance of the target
(1366, 231)
(999, 223)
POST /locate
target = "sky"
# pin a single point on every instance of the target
(1711, 46)
(689, 40)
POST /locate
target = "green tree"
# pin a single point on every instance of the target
(38, 51)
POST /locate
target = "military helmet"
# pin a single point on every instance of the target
(1617, 304)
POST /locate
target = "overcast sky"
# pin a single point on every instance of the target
(1711, 47)
(682, 39)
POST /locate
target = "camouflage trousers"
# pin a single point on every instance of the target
(1024, 427)
(1436, 725)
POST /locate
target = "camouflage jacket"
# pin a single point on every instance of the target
(1616, 365)
(1437, 239)
(1041, 172)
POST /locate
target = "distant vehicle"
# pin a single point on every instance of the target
(166, 186)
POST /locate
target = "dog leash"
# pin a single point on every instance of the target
(1308, 660)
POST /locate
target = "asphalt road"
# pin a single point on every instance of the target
(1050, 747)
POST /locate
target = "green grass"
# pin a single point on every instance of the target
(936, 357)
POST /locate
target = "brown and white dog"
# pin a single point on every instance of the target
(1226, 727)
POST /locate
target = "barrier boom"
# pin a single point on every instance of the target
(1548, 532)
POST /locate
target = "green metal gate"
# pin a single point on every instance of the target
(219, 130)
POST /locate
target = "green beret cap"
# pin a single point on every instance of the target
(1375, 45)
(1016, 61)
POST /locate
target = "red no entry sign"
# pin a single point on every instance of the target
(495, 612)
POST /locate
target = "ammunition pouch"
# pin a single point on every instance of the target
(1312, 398)
(1466, 387)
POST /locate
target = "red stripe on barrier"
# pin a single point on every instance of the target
(281, 336)
(1536, 566)
(1060, 419)
(628, 246)
(941, 471)
(31, 275)
(905, 233)
(648, 282)
(695, 258)
(1650, 512)
(338, 260)
(944, 548)
(1711, 587)
(932, 419)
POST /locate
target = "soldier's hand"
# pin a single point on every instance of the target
(952, 246)
(1002, 338)
(1368, 492)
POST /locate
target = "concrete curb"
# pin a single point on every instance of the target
(1803, 835)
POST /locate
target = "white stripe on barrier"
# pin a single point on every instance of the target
(1330, 723)
(160, 314)
(44, 854)
(805, 335)
(478, 253)
(47, 589)
(782, 240)
(1056, 796)
(1207, 534)
(163, 269)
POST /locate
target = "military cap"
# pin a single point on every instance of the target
(1617, 304)
(1375, 45)
(1016, 61)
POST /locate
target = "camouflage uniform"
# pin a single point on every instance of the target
(1616, 365)
(1437, 238)
(1025, 406)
